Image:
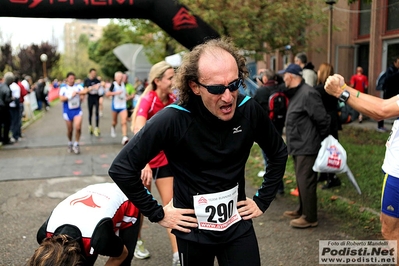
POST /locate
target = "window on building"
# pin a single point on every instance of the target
(273, 63)
(392, 16)
(286, 61)
(364, 17)
(363, 57)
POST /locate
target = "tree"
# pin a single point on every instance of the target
(30, 63)
(261, 26)
(78, 62)
(7, 61)
(158, 44)
(101, 51)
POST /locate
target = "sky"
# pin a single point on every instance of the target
(25, 31)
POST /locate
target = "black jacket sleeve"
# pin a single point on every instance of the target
(126, 169)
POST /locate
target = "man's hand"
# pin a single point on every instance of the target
(248, 209)
(177, 218)
(335, 85)
(146, 175)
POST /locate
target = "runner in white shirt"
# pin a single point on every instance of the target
(118, 93)
(72, 95)
(378, 109)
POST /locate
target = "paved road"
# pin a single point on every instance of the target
(37, 173)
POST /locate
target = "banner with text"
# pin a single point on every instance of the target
(172, 17)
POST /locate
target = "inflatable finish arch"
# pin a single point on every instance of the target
(175, 19)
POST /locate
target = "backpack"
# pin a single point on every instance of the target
(23, 92)
(278, 104)
(381, 81)
(346, 113)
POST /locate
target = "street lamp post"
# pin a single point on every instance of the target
(330, 20)
(43, 58)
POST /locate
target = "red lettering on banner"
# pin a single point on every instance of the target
(184, 20)
(110, 2)
(35, 3)
(96, 2)
(62, 1)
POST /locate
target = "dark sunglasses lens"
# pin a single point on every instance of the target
(234, 85)
(217, 89)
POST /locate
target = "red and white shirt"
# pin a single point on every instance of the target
(150, 104)
(87, 210)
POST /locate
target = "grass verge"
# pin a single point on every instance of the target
(356, 215)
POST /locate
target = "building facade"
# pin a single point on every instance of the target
(363, 34)
(74, 29)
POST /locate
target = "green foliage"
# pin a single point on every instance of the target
(26, 60)
(78, 62)
(101, 51)
(158, 44)
(254, 23)
(365, 150)
(6, 58)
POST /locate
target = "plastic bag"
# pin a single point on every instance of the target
(331, 157)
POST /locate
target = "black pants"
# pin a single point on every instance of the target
(15, 125)
(306, 180)
(5, 122)
(241, 251)
(93, 100)
(129, 239)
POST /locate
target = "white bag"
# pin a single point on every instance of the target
(331, 157)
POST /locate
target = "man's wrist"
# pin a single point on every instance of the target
(158, 216)
(344, 96)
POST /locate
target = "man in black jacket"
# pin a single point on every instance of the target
(5, 99)
(207, 138)
(390, 86)
(269, 86)
(307, 124)
(392, 79)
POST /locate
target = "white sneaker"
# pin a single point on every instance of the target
(140, 251)
(76, 149)
(70, 148)
(113, 134)
(176, 263)
(125, 140)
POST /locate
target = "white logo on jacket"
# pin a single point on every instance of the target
(237, 129)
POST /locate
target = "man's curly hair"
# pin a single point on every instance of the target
(188, 71)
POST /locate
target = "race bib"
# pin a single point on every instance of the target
(120, 101)
(74, 102)
(217, 211)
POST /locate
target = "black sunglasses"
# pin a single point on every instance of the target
(220, 89)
